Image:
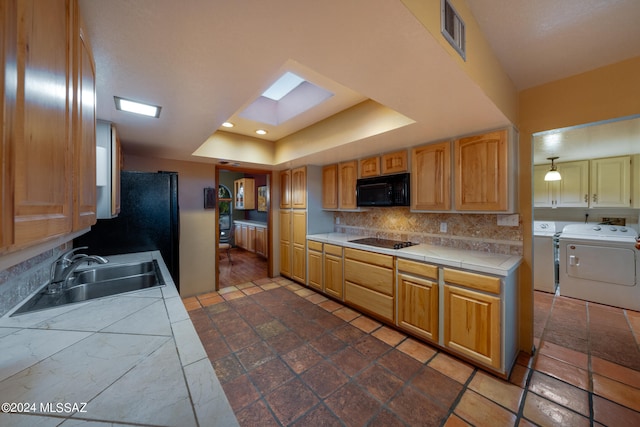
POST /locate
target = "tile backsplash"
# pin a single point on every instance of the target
(21, 280)
(479, 232)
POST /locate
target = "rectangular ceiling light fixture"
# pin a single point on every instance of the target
(136, 107)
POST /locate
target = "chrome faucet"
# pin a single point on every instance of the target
(63, 268)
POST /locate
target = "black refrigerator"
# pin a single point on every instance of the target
(149, 219)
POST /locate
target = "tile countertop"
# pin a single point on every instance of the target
(131, 358)
(483, 262)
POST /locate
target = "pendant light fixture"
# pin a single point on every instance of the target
(552, 174)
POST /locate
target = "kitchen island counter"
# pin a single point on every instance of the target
(484, 262)
(132, 358)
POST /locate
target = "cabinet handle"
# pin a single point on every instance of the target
(586, 198)
(595, 198)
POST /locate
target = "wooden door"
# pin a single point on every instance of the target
(330, 187)
(285, 189)
(481, 177)
(41, 138)
(285, 243)
(333, 275)
(418, 306)
(431, 177)
(299, 188)
(347, 179)
(472, 324)
(261, 241)
(314, 263)
(85, 195)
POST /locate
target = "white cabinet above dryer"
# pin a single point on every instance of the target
(597, 183)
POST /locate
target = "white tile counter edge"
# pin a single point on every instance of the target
(484, 262)
(208, 401)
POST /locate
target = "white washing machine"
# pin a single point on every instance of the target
(545, 256)
(600, 263)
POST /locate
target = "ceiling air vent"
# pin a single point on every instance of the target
(452, 28)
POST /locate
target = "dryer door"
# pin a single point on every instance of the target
(601, 263)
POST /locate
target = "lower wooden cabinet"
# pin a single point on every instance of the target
(314, 265)
(418, 305)
(333, 274)
(468, 314)
(250, 236)
(369, 283)
(472, 319)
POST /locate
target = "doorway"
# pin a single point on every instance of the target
(242, 262)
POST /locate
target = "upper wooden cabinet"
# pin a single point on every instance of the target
(431, 177)
(370, 167)
(330, 187)
(285, 189)
(48, 131)
(85, 202)
(395, 162)
(347, 179)
(245, 193)
(481, 172)
(40, 135)
(299, 188)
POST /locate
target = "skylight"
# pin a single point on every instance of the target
(137, 107)
(289, 96)
(283, 86)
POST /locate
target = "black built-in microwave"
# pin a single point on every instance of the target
(388, 190)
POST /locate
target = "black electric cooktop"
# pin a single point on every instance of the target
(382, 243)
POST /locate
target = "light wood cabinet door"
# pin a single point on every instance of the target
(285, 258)
(285, 189)
(250, 238)
(347, 179)
(330, 187)
(245, 193)
(431, 177)
(299, 188)
(481, 172)
(418, 303)
(395, 162)
(299, 228)
(84, 155)
(261, 241)
(237, 236)
(299, 264)
(472, 325)
(314, 263)
(285, 226)
(41, 135)
(333, 274)
(370, 167)
(610, 182)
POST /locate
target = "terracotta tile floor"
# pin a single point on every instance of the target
(288, 356)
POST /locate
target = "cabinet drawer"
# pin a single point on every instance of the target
(314, 246)
(418, 268)
(370, 301)
(369, 257)
(473, 280)
(379, 279)
(333, 250)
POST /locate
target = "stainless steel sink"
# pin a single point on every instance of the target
(97, 282)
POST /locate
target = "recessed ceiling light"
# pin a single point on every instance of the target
(136, 107)
(261, 132)
(228, 125)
